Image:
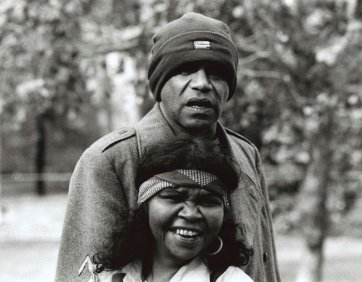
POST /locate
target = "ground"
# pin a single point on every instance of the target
(30, 230)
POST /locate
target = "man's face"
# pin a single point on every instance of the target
(195, 97)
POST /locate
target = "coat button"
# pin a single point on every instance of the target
(265, 257)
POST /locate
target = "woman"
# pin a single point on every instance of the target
(182, 229)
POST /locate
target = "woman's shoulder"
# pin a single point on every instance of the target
(108, 276)
(130, 272)
(234, 274)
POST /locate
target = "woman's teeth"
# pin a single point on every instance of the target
(185, 232)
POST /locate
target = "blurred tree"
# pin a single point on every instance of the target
(40, 77)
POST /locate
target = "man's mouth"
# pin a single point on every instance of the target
(197, 103)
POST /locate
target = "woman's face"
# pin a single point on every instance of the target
(184, 221)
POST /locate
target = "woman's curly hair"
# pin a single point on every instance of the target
(198, 153)
(132, 238)
(135, 241)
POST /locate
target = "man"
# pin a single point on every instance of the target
(192, 75)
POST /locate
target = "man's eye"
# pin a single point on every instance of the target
(216, 74)
(186, 70)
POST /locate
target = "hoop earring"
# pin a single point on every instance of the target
(219, 249)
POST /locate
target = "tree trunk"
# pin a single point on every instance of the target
(313, 202)
(40, 153)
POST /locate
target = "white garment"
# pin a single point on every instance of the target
(196, 270)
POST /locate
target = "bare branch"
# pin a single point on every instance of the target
(254, 57)
(105, 48)
(261, 74)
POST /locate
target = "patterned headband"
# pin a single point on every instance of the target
(177, 178)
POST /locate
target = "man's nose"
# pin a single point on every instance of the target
(201, 81)
(190, 211)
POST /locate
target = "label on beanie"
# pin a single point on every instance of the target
(202, 44)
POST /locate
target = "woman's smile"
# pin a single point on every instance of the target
(182, 243)
(184, 221)
(187, 233)
(188, 237)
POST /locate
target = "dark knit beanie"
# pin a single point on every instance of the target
(190, 39)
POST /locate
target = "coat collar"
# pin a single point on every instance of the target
(154, 128)
(246, 201)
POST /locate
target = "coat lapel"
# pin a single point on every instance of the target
(246, 201)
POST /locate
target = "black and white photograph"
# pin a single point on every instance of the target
(181, 140)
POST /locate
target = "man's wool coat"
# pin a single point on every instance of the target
(103, 186)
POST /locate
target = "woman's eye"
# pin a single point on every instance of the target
(175, 198)
(211, 202)
(172, 197)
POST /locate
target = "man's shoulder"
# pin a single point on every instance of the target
(113, 138)
(118, 145)
(241, 140)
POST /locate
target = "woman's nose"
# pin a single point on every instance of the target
(200, 81)
(190, 211)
